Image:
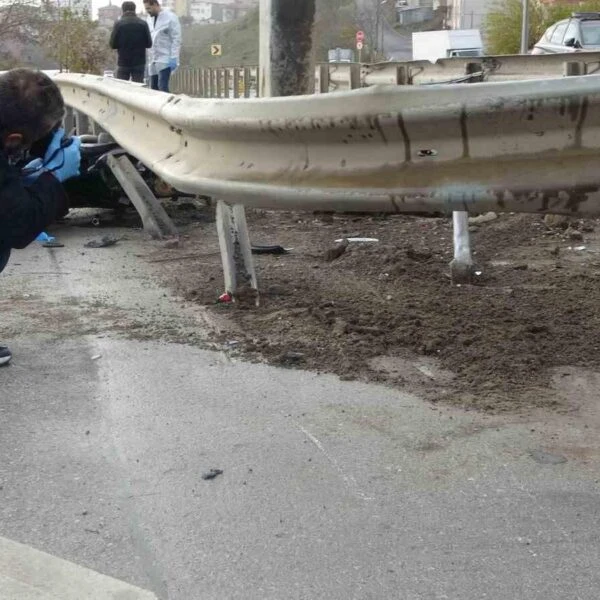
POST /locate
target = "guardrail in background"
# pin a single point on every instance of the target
(216, 82)
(505, 147)
(230, 82)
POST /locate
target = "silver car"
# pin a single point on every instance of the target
(579, 33)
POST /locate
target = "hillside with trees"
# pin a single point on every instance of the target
(336, 26)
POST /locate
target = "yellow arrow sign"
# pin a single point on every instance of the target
(216, 50)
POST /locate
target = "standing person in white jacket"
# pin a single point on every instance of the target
(163, 57)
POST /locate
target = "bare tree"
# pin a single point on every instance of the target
(76, 43)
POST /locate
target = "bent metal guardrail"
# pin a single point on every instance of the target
(489, 146)
(232, 82)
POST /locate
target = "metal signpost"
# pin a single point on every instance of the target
(360, 38)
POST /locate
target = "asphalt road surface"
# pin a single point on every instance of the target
(396, 47)
(330, 489)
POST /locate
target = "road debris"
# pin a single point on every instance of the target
(276, 249)
(171, 243)
(225, 298)
(292, 357)
(574, 234)
(104, 242)
(212, 474)
(546, 458)
(358, 240)
(485, 218)
(337, 251)
(420, 255)
(556, 221)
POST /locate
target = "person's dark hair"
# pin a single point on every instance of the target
(30, 104)
(128, 7)
(152, 2)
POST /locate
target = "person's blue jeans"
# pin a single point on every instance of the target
(161, 81)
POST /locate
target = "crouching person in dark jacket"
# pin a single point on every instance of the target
(35, 157)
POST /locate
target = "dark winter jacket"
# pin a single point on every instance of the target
(130, 37)
(26, 210)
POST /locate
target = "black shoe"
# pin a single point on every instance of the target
(5, 355)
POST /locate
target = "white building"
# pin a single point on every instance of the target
(200, 11)
(468, 14)
(79, 7)
(218, 11)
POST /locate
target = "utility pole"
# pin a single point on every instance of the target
(286, 47)
(525, 28)
(377, 19)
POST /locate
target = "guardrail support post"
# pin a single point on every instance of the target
(219, 81)
(322, 86)
(226, 83)
(247, 75)
(236, 251)
(82, 123)
(236, 82)
(155, 220)
(205, 83)
(69, 119)
(211, 83)
(574, 68)
(354, 76)
(198, 91)
(286, 69)
(461, 267)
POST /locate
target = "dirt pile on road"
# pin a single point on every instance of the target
(387, 311)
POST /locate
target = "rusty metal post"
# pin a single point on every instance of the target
(286, 47)
(574, 68)
(219, 81)
(236, 82)
(205, 83)
(354, 76)
(226, 83)
(322, 86)
(198, 91)
(211, 83)
(247, 79)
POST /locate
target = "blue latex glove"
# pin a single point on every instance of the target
(173, 64)
(32, 170)
(44, 237)
(63, 156)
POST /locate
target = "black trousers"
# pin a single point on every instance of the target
(4, 256)
(134, 73)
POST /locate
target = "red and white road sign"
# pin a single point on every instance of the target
(360, 36)
(359, 45)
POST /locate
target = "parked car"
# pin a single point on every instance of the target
(579, 33)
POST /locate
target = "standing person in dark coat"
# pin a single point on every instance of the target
(130, 38)
(31, 197)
